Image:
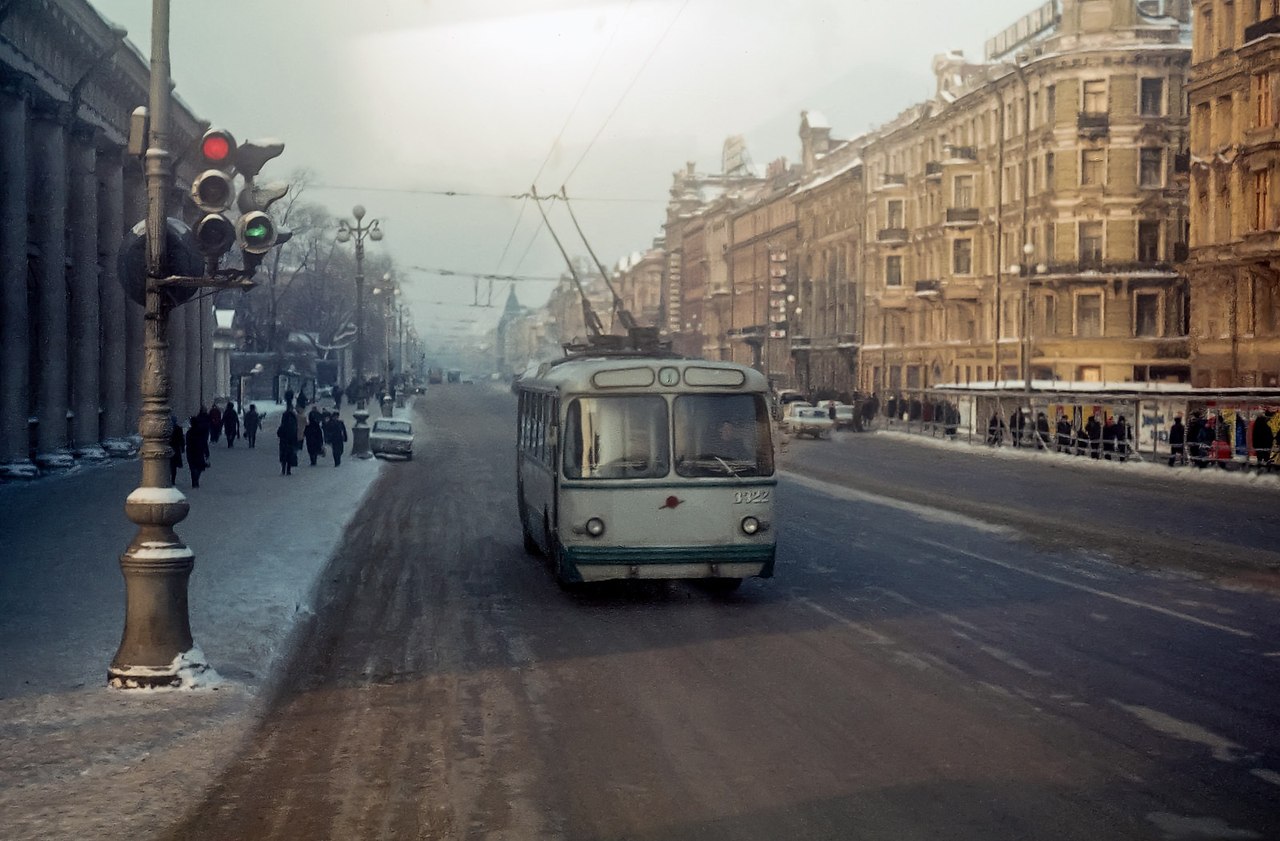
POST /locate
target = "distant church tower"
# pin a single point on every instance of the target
(510, 312)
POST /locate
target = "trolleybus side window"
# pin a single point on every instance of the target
(616, 438)
(722, 435)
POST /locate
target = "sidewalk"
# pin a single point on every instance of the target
(80, 760)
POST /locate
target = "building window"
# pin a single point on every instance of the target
(1089, 315)
(893, 271)
(1095, 96)
(1050, 242)
(962, 256)
(1090, 243)
(962, 191)
(894, 216)
(1050, 325)
(1148, 242)
(1151, 167)
(1146, 314)
(1152, 98)
(1093, 164)
(1263, 104)
(1261, 199)
(1048, 170)
(1051, 104)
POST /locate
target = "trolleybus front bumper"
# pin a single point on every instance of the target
(601, 563)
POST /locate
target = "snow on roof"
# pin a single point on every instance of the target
(817, 119)
(823, 178)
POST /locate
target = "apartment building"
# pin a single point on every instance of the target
(1025, 222)
(1234, 266)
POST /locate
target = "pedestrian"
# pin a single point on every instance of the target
(1264, 439)
(1177, 442)
(1093, 434)
(205, 425)
(1198, 439)
(230, 424)
(335, 433)
(1042, 431)
(1108, 438)
(995, 430)
(831, 410)
(1017, 426)
(288, 398)
(215, 422)
(197, 452)
(252, 420)
(1063, 430)
(1121, 438)
(177, 443)
(287, 432)
(337, 396)
(314, 414)
(315, 438)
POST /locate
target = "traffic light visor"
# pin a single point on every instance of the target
(257, 232)
(218, 147)
(214, 234)
(212, 190)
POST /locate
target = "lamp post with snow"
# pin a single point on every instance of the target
(359, 231)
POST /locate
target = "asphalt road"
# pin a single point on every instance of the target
(909, 674)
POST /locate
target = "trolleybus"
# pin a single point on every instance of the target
(647, 466)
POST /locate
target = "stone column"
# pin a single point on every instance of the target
(179, 397)
(85, 337)
(198, 389)
(135, 209)
(49, 210)
(15, 373)
(111, 301)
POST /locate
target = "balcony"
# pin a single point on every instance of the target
(1097, 265)
(895, 179)
(1093, 123)
(928, 288)
(962, 153)
(963, 215)
(1270, 26)
(892, 236)
(933, 170)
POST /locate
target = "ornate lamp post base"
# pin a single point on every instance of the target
(360, 435)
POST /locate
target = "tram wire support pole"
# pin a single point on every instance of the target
(359, 231)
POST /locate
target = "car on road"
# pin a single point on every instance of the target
(391, 437)
(806, 419)
(846, 417)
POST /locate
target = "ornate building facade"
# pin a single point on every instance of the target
(1234, 269)
(1026, 222)
(72, 355)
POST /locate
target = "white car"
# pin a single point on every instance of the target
(391, 437)
(806, 419)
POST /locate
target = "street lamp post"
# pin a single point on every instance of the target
(358, 232)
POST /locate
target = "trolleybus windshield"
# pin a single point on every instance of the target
(722, 435)
(617, 438)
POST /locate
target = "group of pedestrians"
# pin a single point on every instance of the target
(321, 429)
(1108, 438)
(1203, 441)
(214, 423)
(207, 427)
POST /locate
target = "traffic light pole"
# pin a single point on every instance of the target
(156, 645)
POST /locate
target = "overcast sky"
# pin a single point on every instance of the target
(395, 96)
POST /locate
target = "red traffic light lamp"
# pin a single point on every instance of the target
(218, 148)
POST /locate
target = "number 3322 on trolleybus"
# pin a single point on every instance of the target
(647, 467)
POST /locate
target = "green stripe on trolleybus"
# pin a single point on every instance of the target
(668, 554)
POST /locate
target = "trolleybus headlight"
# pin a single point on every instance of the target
(750, 525)
(595, 527)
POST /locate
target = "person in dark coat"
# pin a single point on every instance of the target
(204, 424)
(1198, 439)
(315, 438)
(1042, 431)
(1177, 442)
(995, 431)
(1121, 438)
(337, 397)
(288, 398)
(252, 420)
(177, 443)
(1064, 433)
(335, 432)
(287, 432)
(1108, 438)
(215, 423)
(1093, 434)
(230, 424)
(197, 452)
(1263, 439)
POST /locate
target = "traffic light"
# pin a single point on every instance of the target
(256, 232)
(213, 191)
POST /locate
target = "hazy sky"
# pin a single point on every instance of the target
(395, 96)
